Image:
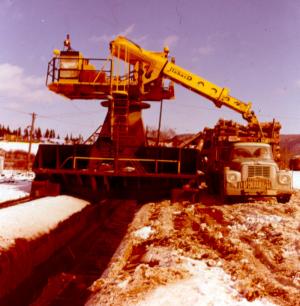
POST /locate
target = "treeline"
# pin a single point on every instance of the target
(6, 133)
(24, 134)
(73, 140)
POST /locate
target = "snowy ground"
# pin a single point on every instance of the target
(18, 146)
(14, 184)
(35, 218)
(296, 179)
(207, 286)
(206, 254)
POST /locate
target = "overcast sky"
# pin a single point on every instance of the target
(251, 47)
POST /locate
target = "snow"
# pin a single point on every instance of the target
(14, 191)
(14, 184)
(144, 232)
(296, 179)
(18, 146)
(208, 286)
(36, 218)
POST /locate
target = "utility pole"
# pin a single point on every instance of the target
(159, 123)
(33, 116)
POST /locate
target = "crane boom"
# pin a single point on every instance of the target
(218, 95)
(156, 65)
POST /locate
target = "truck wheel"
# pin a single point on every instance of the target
(283, 198)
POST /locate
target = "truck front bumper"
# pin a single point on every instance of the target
(257, 186)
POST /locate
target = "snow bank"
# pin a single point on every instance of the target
(31, 232)
(14, 191)
(15, 184)
(20, 146)
(296, 179)
(36, 218)
(208, 286)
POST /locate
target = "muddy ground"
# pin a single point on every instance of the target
(257, 244)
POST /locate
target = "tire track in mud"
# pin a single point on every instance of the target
(257, 244)
(252, 253)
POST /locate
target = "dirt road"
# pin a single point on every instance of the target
(257, 245)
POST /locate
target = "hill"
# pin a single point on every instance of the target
(290, 146)
(291, 143)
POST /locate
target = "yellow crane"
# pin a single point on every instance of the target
(156, 64)
(121, 160)
(80, 79)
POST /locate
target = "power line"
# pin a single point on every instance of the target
(15, 110)
(224, 107)
(53, 117)
(67, 114)
(63, 121)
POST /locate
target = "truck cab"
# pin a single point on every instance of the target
(251, 171)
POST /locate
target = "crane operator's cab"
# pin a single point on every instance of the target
(69, 65)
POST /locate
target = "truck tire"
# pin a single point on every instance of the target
(283, 198)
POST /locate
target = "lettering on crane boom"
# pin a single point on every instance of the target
(185, 76)
(181, 74)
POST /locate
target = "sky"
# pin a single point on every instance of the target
(251, 47)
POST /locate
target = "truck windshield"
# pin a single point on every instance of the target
(251, 152)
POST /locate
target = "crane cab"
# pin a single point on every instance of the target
(69, 65)
(72, 75)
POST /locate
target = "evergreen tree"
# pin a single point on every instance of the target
(46, 135)
(26, 133)
(52, 134)
(19, 132)
(38, 134)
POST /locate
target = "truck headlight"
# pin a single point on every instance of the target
(232, 177)
(284, 179)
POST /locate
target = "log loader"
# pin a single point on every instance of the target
(121, 156)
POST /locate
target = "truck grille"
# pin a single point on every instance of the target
(263, 171)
